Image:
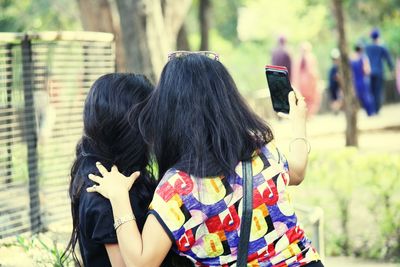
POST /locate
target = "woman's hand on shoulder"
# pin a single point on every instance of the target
(113, 183)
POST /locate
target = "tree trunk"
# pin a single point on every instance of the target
(133, 26)
(182, 42)
(350, 102)
(97, 15)
(175, 12)
(204, 19)
(150, 30)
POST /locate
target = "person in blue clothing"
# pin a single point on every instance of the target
(335, 94)
(361, 70)
(377, 53)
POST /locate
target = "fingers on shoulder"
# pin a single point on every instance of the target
(114, 168)
(91, 189)
(94, 178)
(94, 189)
(101, 168)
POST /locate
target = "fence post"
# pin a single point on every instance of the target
(9, 83)
(85, 53)
(31, 134)
(318, 231)
(321, 234)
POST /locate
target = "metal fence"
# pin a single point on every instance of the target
(44, 79)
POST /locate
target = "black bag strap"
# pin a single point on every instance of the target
(247, 213)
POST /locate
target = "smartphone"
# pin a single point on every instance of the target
(279, 87)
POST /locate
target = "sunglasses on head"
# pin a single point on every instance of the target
(208, 54)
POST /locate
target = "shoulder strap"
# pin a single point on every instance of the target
(247, 213)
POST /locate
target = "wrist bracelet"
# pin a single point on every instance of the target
(120, 221)
(305, 141)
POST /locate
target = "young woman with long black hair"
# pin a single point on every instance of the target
(110, 135)
(201, 131)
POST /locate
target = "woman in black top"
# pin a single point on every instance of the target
(110, 135)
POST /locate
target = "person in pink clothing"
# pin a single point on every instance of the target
(305, 78)
(281, 56)
(398, 74)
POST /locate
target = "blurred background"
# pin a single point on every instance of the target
(52, 50)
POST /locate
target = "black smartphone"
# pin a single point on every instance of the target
(279, 87)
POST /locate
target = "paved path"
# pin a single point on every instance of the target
(378, 133)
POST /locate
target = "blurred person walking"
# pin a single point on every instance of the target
(306, 78)
(335, 94)
(361, 79)
(280, 55)
(377, 53)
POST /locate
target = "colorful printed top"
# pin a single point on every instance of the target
(202, 216)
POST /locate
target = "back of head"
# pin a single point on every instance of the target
(282, 40)
(375, 34)
(358, 48)
(198, 122)
(335, 54)
(111, 136)
(305, 47)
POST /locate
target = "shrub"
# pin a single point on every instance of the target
(360, 195)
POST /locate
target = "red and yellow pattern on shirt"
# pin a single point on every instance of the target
(202, 216)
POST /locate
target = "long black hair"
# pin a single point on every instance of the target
(197, 121)
(111, 135)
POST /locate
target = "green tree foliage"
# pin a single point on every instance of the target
(372, 11)
(226, 18)
(38, 15)
(384, 14)
(263, 20)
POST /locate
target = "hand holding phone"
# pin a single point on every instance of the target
(279, 87)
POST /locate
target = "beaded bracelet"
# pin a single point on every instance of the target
(305, 141)
(120, 221)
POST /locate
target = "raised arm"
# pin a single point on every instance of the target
(298, 146)
(146, 249)
(366, 65)
(387, 57)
